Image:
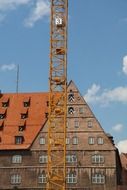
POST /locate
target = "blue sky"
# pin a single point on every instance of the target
(97, 54)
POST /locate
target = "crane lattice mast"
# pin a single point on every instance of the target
(57, 96)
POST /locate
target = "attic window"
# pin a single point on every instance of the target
(19, 139)
(26, 102)
(71, 97)
(5, 102)
(71, 110)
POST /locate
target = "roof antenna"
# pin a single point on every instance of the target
(17, 80)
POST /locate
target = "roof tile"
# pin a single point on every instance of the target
(34, 122)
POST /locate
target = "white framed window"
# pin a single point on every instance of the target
(43, 159)
(71, 158)
(76, 124)
(67, 140)
(98, 178)
(71, 177)
(42, 140)
(15, 179)
(90, 124)
(91, 140)
(17, 159)
(75, 140)
(97, 159)
(42, 178)
(100, 140)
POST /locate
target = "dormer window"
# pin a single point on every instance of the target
(26, 102)
(1, 125)
(71, 110)
(71, 97)
(46, 115)
(22, 126)
(2, 114)
(5, 102)
(19, 139)
(24, 114)
(47, 103)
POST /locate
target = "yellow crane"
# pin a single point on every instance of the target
(56, 169)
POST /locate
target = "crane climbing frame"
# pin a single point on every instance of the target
(57, 117)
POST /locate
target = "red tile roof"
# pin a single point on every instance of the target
(34, 121)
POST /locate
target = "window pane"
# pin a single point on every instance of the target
(76, 124)
(100, 140)
(19, 140)
(42, 178)
(15, 179)
(17, 159)
(67, 140)
(43, 159)
(71, 178)
(91, 140)
(71, 158)
(90, 124)
(97, 159)
(42, 140)
(98, 178)
(75, 140)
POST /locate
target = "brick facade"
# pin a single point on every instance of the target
(92, 162)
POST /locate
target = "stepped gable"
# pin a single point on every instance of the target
(22, 116)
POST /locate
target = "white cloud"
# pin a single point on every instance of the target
(38, 9)
(8, 67)
(91, 95)
(96, 95)
(118, 127)
(6, 5)
(41, 9)
(125, 65)
(122, 146)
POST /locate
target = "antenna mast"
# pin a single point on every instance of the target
(17, 80)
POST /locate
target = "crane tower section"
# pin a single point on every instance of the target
(57, 96)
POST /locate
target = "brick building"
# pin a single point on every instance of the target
(92, 159)
(123, 158)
